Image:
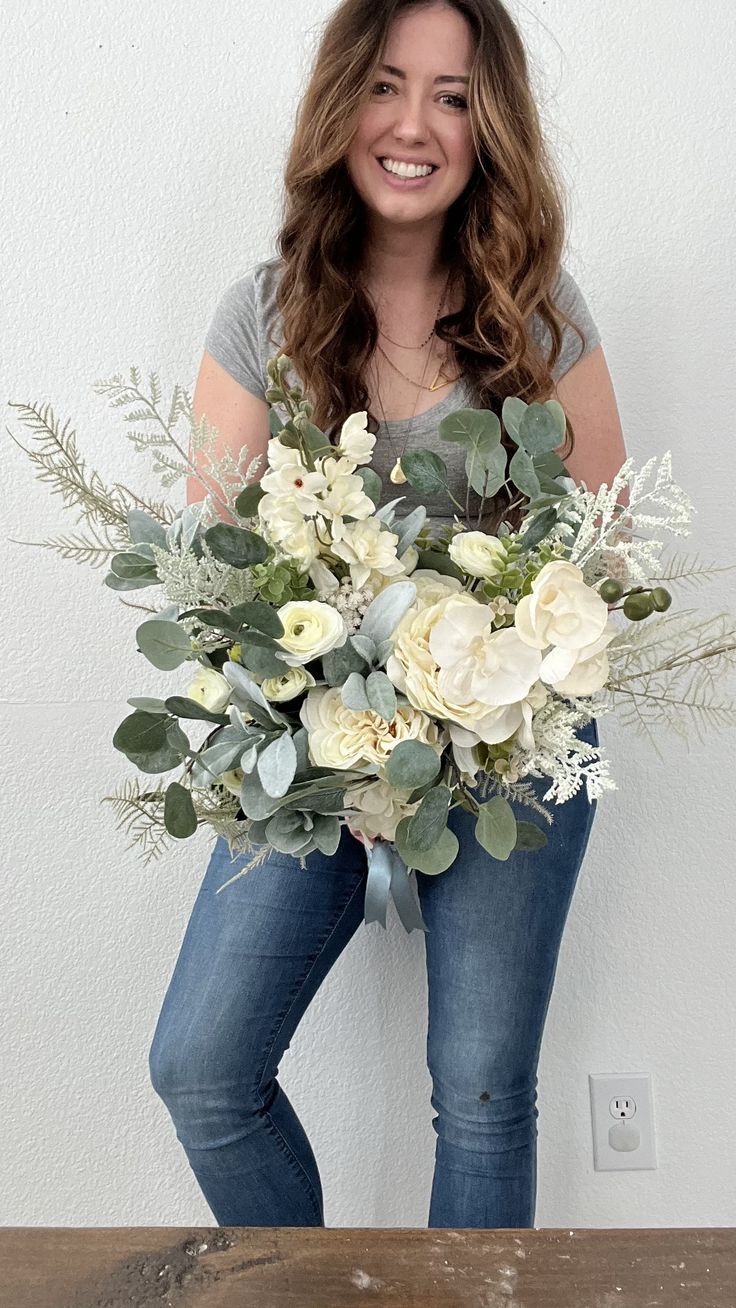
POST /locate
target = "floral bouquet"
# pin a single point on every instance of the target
(353, 670)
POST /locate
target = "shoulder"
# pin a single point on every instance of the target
(568, 296)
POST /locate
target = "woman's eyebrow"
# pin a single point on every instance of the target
(399, 72)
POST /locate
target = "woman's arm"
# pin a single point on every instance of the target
(240, 417)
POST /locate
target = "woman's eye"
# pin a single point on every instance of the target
(448, 95)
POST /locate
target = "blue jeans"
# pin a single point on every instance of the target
(254, 956)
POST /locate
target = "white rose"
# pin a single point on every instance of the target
(561, 609)
(290, 684)
(477, 554)
(356, 443)
(311, 628)
(210, 689)
(378, 808)
(366, 546)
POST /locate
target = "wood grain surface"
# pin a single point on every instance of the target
(337, 1267)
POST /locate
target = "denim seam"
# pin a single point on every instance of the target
(302, 1173)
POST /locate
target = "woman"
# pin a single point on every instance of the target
(456, 280)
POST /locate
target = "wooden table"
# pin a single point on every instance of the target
(335, 1267)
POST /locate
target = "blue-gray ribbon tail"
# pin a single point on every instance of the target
(388, 876)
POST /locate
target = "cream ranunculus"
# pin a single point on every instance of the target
(448, 661)
(232, 780)
(477, 553)
(311, 628)
(340, 737)
(356, 443)
(289, 685)
(210, 689)
(366, 546)
(378, 808)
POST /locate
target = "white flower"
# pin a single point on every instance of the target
(344, 496)
(477, 553)
(290, 684)
(340, 737)
(356, 443)
(561, 609)
(320, 575)
(564, 612)
(448, 661)
(210, 689)
(311, 628)
(366, 546)
(293, 479)
(286, 526)
(378, 807)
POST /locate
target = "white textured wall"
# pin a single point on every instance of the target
(141, 172)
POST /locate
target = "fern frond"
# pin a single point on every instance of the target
(79, 550)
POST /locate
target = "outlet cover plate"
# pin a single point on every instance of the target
(603, 1088)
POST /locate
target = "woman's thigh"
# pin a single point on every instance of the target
(494, 933)
(252, 958)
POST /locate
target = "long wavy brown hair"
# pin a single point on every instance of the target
(503, 237)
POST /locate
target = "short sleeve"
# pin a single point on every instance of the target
(233, 335)
(569, 297)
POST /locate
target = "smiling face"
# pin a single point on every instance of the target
(421, 116)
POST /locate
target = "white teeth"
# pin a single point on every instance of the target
(406, 170)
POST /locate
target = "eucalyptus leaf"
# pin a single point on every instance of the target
(496, 827)
(337, 664)
(263, 660)
(372, 484)
(481, 464)
(539, 430)
(529, 836)
(426, 825)
(522, 474)
(411, 763)
(180, 818)
(538, 530)
(165, 644)
(353, 693)
(236, 546)
(246, 504)
(476, 428)
(425, 471)
(258, 614)
(381, 695)
(430, 861)
(148, 703)
(184, 707)
(146, 740)
(512, 413)
(131, 566)
(130, 583)
(277, 765)
(440, 562)
(387, 609)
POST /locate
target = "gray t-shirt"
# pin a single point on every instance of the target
(245, 331)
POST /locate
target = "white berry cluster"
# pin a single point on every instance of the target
(351, 603)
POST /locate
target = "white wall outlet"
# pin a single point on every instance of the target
(622, 1114)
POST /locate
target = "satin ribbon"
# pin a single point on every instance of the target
(388, 876)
